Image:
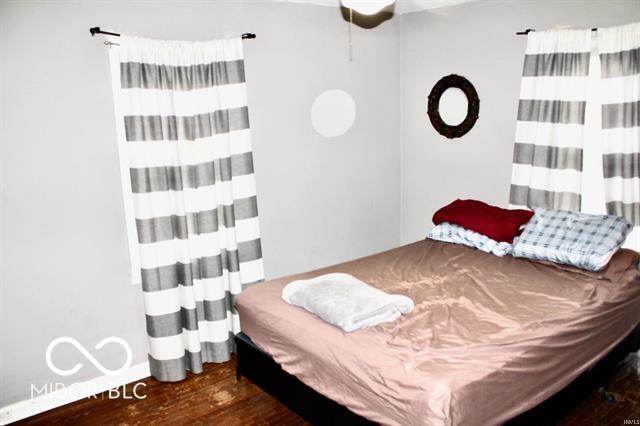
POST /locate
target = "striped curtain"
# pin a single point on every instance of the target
(182, 109)
(547, 160)
(619, 49)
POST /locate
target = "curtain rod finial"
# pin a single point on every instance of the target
(94, 30)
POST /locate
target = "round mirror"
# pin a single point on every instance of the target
(333, 113)
(453, 106)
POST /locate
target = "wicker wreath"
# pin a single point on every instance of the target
(433, 105)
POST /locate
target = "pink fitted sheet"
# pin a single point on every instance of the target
(489, 337)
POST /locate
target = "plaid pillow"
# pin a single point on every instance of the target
(451, 233)
(584, 240)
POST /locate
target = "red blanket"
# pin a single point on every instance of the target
(496, 223)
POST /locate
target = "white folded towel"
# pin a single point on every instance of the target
(345, 301)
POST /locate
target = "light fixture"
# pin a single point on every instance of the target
(367, 7)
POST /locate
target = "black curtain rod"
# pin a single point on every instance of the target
(528, 30)
(97, 30)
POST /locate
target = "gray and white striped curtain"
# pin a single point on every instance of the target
(547, 163)
(183, 110)
(619, 49)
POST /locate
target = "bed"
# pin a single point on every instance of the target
(489, 338)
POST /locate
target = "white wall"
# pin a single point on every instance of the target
(478, 41)
(64, 254)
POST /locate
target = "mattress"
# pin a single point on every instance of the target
(488, 339)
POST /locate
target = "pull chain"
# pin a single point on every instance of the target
(350, 42)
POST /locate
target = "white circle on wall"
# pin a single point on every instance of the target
(333, 113)
(453, 106)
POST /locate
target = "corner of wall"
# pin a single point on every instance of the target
(401, 137)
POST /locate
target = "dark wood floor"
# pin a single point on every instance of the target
(215, 397)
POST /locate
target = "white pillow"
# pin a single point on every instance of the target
(456, 234)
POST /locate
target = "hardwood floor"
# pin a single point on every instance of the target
(216, 398)
(598, 409)
(213, 397)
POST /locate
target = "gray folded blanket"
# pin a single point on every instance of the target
(345, 301)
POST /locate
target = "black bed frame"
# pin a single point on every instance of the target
(258, 366)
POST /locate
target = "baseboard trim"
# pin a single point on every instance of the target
(39, 404)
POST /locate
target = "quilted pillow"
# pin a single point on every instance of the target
(451, 233)
(496, 223)
(584, 240)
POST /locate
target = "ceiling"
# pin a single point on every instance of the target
(401, 6)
